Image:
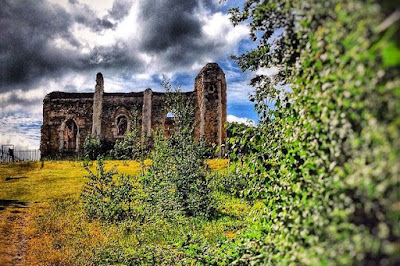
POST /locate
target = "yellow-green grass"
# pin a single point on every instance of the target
(218, 164)
(49, 180)
(56, 230)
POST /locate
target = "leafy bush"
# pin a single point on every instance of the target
(325, 160)
(232, 182)
(177, 182)
(92, 147)
(127, 148)
(109, 196)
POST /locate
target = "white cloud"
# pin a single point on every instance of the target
(218, 29)
(20, 141)
(20, 131)
(242, 120)
(271, 71)
(239, 92)
(130, 25)
(21, 109)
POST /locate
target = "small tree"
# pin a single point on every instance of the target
(107, 195)
(177, 181)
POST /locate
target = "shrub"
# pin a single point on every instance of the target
(92, 147)
(177, 182)
(232, 182)
(325, 160)
(127, 148)
(109, 196)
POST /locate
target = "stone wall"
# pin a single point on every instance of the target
(116, 105)
(69, 117)
(58, 109)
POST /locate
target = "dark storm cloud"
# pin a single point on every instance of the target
(17, 99)
(27, 33)
(25, 28)
(173, 20)
(120, 9)
(115, 56)
(83, 14)
(171, 29)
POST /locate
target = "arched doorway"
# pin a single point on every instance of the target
(122, 125)
(169, 123)
(70, 135)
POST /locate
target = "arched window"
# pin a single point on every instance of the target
(70, 135)
(122, 125)
(169, 119)
(170, 115)
(211, 88)
(169, 123)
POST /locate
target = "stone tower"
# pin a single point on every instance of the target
(210, 91)
(98, 106)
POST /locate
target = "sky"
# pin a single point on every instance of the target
(60, 45)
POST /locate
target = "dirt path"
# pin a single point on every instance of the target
(13, 240)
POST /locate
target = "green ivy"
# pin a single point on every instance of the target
(325, 161)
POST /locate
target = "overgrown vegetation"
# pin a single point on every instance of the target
(178, 179)
(108, 196)
(316, 182)
(92, 147)
(174, 193)
(176, 183)
(133, 145)
(325, 161)
(57, 229)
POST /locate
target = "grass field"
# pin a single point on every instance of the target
(28, 190)
(42, 221)
(50, 180)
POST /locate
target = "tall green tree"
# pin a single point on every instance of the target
(177, 182)
(327, 165)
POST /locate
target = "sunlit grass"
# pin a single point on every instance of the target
(60, 233)
(218, 164)
(50, 180)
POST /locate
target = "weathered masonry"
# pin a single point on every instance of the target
(69, 117)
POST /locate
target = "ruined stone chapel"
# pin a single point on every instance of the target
(68, 118)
